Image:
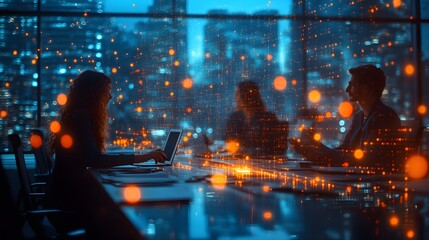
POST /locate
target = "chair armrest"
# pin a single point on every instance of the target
(38, 184)
(36, 194)
(41, 174)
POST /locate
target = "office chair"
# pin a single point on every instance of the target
(43, 159)
(30, 201)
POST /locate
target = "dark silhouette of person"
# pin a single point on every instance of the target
(253, 127)
(80, 144)
(373, 130)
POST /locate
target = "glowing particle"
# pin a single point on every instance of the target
(317, 137)
(358, 154)
(394, 221)
(3, 113)
(232, 146)
(62, 99)
(218, 181)
(132, 194)
(345, 109)
(187, 83)
(268, 215)
(422, 109)
(269, 57)
(280, 83)
(35, 141)
(409, 69)
(171, 52)
(114, 70)
(416, 167)
(66, 141)
(314, 96)
(55, 126)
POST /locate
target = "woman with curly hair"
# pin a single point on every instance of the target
(81, 143)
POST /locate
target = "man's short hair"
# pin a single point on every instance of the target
(371, 76)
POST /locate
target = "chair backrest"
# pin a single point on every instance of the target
(43, 160)
(21, 167)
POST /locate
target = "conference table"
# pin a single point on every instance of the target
(223, 196)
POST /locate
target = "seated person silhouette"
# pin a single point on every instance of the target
(257, 131)
(81, 144)
(370, 140)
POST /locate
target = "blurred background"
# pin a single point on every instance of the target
(175, 63)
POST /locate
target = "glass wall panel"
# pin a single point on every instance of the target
(425, 63)
(223, 53)
(18, 77)
(145, 58)
(359, 9)
(265, 7)
(424, 9)
(110, 6)
(331, 48)
(18, 5)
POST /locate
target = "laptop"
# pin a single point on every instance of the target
(170, 148)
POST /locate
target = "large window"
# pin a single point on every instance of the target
(176, 63)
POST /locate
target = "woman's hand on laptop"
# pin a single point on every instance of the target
(158, 155)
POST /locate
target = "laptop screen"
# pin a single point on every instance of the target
(171, 144)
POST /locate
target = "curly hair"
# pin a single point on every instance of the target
(89, 91)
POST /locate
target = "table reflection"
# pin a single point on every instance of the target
(253, 199)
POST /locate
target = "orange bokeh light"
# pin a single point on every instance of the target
(280, 83)
(176, 63)
(35, 141)
(66, 141)
(62, 99)
(345, 109)
(114, 70)
(317, 137)
(394, 221)
(55, 126)
(218, 181)
(232, 146)
(422, 109)
(314, 96)
(358, 154)
(171, 52)
(265, 188)
(3, 113)
(409, 69)
(269, 57)
(416, 167)
(294, 82)
(397, 3)
(132, 194)
(410, 234)
(187, 83)
(268, 215)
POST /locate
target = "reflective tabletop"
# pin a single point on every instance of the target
(221, 197)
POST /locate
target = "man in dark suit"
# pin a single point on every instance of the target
(370, 140)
